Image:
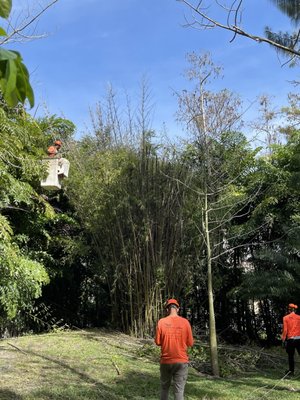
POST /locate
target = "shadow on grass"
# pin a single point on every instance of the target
(132, 384)
(90, 388)
(137, 386)
(260, 385)
(9, 395)
(128, 386)
(138, 381)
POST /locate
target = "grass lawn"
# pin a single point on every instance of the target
(97, 364)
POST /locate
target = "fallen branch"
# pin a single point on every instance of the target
(117, 368)
(17, 348)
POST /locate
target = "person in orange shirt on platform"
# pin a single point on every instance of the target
(291, 335)
(174, 336)
(53, 150)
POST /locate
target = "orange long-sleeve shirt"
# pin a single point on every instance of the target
(174, 335)
(291, 326)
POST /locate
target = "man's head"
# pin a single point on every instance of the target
(58, 144)
(172, 304)
(292, 307)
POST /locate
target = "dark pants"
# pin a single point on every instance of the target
(291, 346)
(178, 372)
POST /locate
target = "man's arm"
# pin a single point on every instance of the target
(284, 331)
(190, 339)
(158, 335)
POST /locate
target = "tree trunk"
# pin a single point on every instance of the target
(212, 323)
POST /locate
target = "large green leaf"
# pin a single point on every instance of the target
(5, 8)
(23, 87)
(2, 32)
(11, 78)
(7, 54)
(8, 77)
(14, 79)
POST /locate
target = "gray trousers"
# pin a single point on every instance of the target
(178, 372)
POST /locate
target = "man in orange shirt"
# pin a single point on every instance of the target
(174, 335)
(54, 149)
(291, 335)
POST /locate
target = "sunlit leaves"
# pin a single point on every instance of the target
(5, 8)
(2, 32)
(14, 79)
(5, 229)
(21, 279)
(14, 76)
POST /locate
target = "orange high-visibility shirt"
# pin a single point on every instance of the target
(291, 326)
(174, 335)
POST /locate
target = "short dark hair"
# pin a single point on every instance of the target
(172, 306)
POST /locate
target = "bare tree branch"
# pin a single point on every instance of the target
(210, 22)
(19, 30)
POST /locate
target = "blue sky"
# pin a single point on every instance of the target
(93, 43)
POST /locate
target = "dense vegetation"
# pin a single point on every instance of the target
(211, 220)
(127, 230)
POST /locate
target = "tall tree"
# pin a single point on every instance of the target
(275, 256)
(211, 118)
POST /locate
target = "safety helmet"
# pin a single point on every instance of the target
(58, 142)
(294, 306)
(172, 301)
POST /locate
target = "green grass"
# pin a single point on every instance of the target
(97, 364)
